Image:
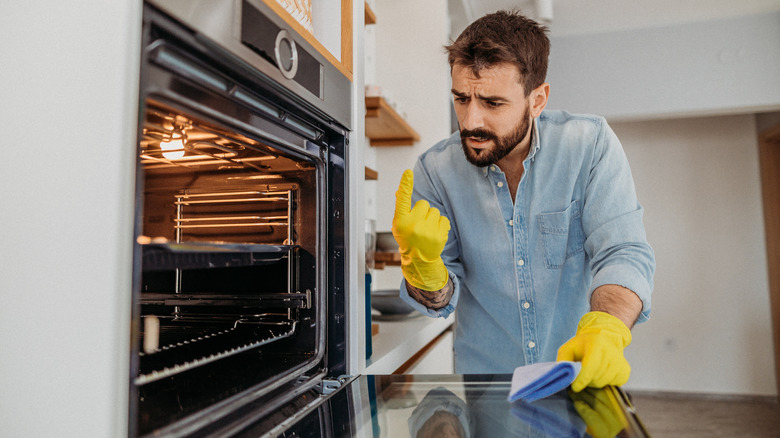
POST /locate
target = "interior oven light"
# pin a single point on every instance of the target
(173, 149)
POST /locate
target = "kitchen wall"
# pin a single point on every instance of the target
(68, 117)
(710, 328)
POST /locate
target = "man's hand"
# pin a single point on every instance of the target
(421, 233)
(599, 345)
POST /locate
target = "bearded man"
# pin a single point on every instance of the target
(526, 220)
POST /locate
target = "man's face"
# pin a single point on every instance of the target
(493, 112)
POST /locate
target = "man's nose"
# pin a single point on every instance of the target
(473, 117)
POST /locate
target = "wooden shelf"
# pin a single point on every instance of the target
(385, 127)
(385, 258)
(370, 16)
(371, 174)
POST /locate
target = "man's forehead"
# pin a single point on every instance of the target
(498, 75)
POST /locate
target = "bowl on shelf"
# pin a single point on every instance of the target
(389, 302)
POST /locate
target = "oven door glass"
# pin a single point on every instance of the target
(463, 406)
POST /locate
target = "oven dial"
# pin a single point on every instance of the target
(286, 53)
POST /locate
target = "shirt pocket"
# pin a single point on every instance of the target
(562, 235)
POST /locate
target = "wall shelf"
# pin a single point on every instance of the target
(370, 16)
(385, 127)
(386, 258)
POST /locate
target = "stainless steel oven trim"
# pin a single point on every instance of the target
(220, 21)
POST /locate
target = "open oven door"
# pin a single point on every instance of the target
(461, 405)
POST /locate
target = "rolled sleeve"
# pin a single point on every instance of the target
(630, 278)
(433, 313)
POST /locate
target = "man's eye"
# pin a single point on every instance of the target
(461, 99)
(492, 104)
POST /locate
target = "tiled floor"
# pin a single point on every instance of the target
(690, 416)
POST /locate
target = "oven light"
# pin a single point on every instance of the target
(172, 150)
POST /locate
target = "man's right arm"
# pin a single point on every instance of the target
(421, 233)
(437, 299)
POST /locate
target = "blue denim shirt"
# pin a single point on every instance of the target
(523, 272)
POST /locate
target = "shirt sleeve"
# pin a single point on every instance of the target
(612, 220)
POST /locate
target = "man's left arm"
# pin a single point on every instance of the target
(618, 301)
(602, 335)
(623, 264)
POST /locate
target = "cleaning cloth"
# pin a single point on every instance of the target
(539, 380)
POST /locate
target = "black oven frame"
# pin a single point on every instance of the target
(327, 142)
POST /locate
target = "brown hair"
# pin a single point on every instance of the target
(504, 36)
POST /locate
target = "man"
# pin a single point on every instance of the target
(526, 220)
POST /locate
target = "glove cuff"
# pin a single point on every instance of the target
(602, 321)
(422, 274)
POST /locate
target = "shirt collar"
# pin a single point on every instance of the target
(535, 143)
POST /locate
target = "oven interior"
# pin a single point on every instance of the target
(229, 241)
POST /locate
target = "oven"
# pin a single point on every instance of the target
(239, 262)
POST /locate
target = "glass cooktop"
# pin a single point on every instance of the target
(466, 406)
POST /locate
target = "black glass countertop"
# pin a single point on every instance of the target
(468, 406)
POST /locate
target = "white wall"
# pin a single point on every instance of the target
(68, 117)
(710, 328)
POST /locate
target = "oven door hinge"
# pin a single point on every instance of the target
(330, 385)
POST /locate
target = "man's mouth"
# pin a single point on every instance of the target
(478, 142)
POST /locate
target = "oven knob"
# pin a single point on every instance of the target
(286, 53)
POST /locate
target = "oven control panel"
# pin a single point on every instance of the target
(278, 46)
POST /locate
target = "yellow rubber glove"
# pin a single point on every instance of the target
(421, 233)
(603, 418)
(599, 345)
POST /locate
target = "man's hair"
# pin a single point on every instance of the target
(504, 37)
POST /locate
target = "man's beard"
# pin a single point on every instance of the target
(502, 146)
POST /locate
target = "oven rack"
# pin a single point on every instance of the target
(201, 255)
(290, 300)
(209, 347)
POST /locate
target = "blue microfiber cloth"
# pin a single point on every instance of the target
(539, 380)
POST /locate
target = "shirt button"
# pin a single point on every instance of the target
(520, 262)
(493, 168)
(511, 223)
(531, 344)
(500, 184)
(526, 305)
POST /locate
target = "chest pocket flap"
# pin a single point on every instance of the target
(562, 234)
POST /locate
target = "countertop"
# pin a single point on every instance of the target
(399, 340)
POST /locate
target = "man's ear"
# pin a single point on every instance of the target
(538, 99)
